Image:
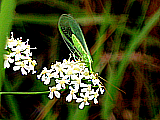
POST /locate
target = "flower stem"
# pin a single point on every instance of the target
(24, 93)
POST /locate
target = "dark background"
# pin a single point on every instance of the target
(37, 21)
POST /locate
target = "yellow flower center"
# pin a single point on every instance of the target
(22, 64)
(17, 51)
(86, 73)
(78, 81)
(53, 89)
(44, 71)
(95, 95)
(28, 46)
(69, 72)
(72, 92)
(62, 81)
(33, 63)
(85, 99)
(76, 68)
(51, 75)
(60, 69)
(10, 40)
(89, 87)
(19, 42)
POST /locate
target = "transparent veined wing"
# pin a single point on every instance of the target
(73, 37)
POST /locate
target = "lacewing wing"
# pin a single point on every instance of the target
(74, 39)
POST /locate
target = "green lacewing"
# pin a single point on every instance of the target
(74, 39)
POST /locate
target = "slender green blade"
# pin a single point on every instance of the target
(68, 27)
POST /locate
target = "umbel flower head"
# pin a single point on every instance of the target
(18, 52)
(74, 76)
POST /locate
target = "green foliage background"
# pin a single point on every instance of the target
(123, 38)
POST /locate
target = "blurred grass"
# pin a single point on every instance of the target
(134, 43)
(6, 15)
(11, 101)
(110, 26)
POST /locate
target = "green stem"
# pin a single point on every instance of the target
(24, 93)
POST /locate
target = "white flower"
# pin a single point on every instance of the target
(83, 85)
(6, 64)
(8, 60)
(18, 57)
(72, 94)
(81, 106)
(53, 90)
(46, 76)
(45, 79)
(20, 65)
(84, 99)
(61, 83)
(69, 97)
(42, 73)
(23, 71)
(100, 88)
(24, 67)
(83, 102)
(11, 42)
(75, 84)
(95, 82)
(95, 101)
(32, 64)
(20, 51)
(87, 87)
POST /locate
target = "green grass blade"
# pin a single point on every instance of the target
(134, 43)
(11, 101)
(6, 16)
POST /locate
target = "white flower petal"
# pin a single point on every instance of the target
(74, 96)
(18, 63)
(23, 71)
(79, 100)
(95, 101)
(69, 98)
(57, 94)
(56, 75)
(6, 64)
(81, 106)
(87, 103)
(43, 77)
(38, 76)
(58, 86)
(84, 90)
(33, 72)
(47, 81)
(101, 90)
(63, 86)
(15, 68)
(50, 95)
(61, 74)
(12, 54)
(17, 57)
(90, 97)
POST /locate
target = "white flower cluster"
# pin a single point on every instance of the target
(75, 76)
(18, 52)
